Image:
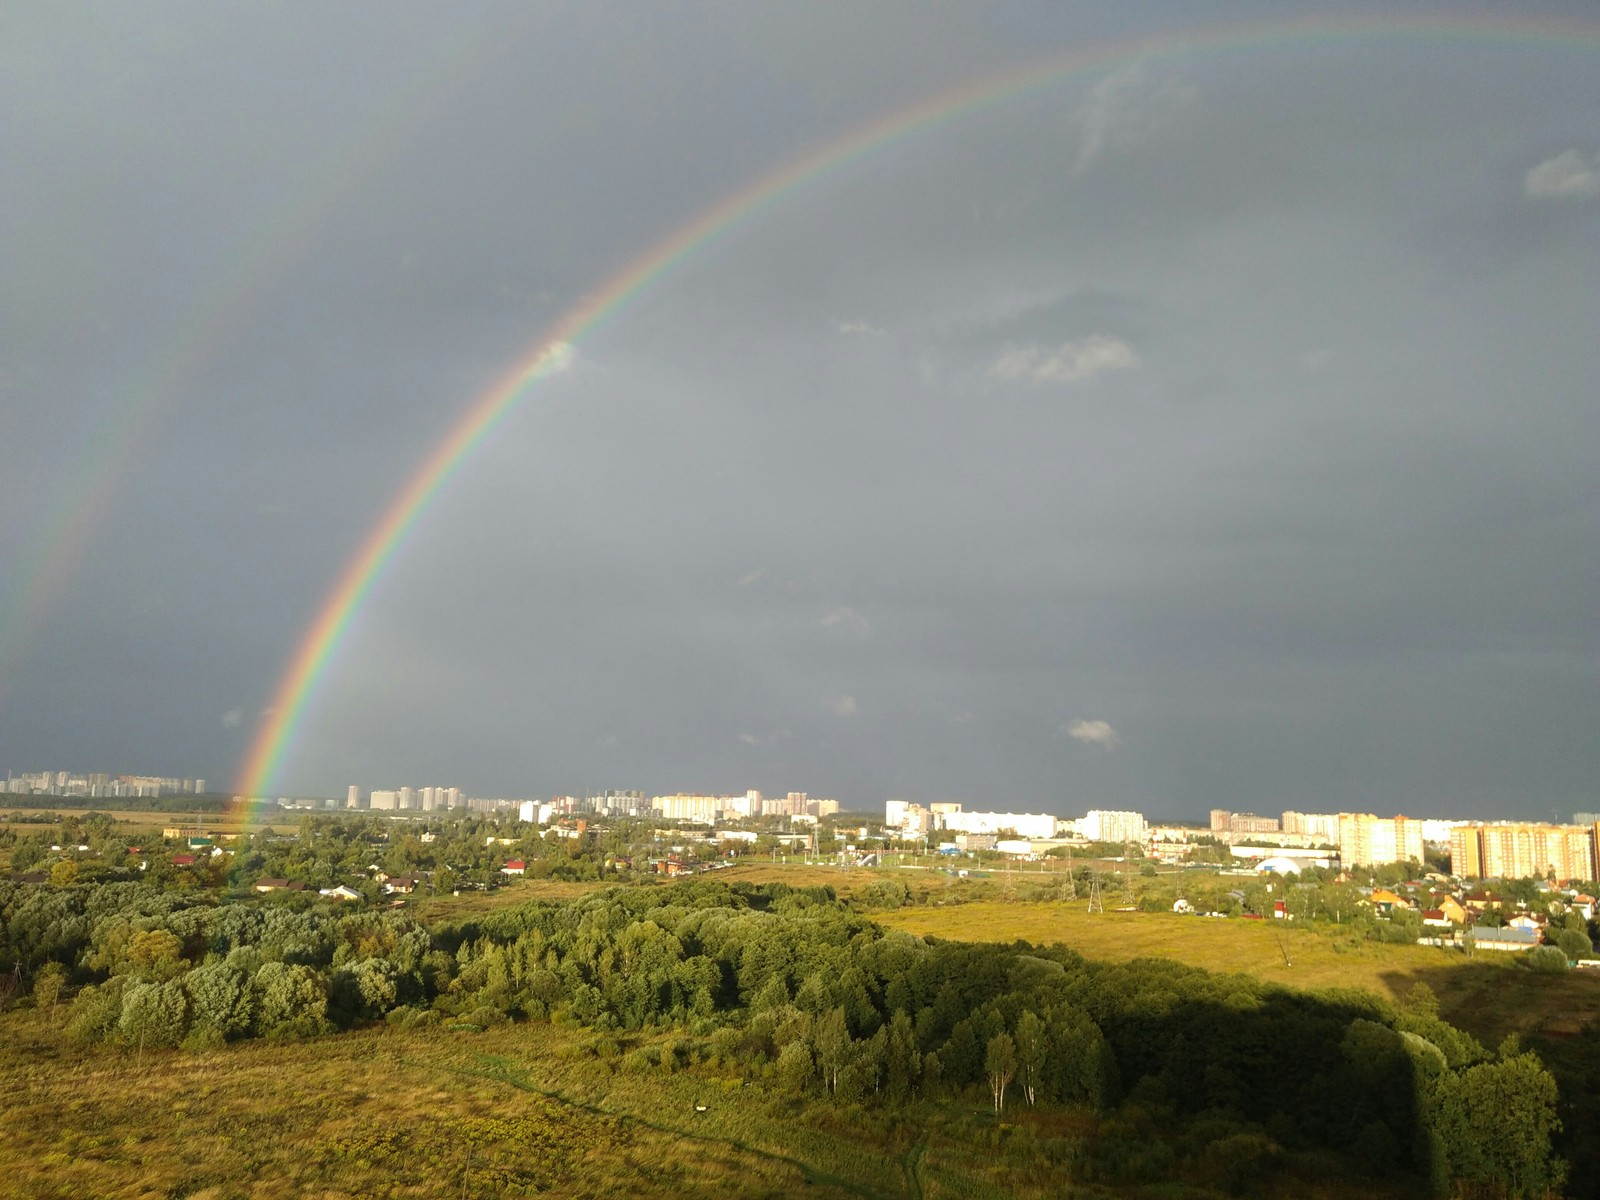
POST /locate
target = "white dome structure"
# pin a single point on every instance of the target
(1281, 865)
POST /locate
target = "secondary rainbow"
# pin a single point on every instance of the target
(275, 736)
(38, 577)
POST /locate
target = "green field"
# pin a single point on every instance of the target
(1488, 995)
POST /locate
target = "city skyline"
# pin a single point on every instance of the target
(1171, 409)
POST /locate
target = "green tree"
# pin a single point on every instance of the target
(153, 1014)
(1497, 1122)
(831, 1036)
(221, 1000)
(154, 954)
(48, 984)
(1000, 1063)
(903, 1061)
(1032, 1042)
(1574, 945)
(292, 1000)
(64, 873)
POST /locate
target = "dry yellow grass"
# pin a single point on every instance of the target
(387, 1113)
(139, 820)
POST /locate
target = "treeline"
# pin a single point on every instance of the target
(800, 991)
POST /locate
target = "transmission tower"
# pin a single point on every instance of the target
(1127, 889)
(1069, 890)
(1096, 904)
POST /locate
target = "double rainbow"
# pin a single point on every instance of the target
(275, 737)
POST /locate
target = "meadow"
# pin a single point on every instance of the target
(1488, 995)
(531, 1109)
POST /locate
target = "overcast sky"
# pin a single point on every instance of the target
(1209, 429)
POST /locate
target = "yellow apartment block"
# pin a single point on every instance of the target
(1521, 850)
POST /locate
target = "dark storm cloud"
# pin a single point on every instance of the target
(1207, 432)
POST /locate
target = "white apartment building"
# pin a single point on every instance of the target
(1026, 825)
(1322, 826)
(1104, 825)
(687, 807)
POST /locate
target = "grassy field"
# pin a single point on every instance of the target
(140, 820)
(1488, 995)
(515, 1111)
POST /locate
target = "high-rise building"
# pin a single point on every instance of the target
(1522, 850)
(686, 807)
(1027, 825)
(1100, 825)
(1223, 821)
(352, 796)
(1466, 851)
(1318, 825)
(383, 801)
(1366, 840)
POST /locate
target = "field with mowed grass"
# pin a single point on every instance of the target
(1488, 995)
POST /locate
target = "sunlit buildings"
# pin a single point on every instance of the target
(1322, 826)
(1107, 825)
(1518, 850)
(1223, 821)
(1367, 840)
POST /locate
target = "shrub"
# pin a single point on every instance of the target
(1547, 960)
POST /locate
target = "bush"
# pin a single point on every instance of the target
(1547, 960)
(1574, 945)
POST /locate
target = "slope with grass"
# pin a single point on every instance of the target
(1486, 995)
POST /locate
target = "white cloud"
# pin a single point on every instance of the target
(1070, 362)
(859, 329)
(846, 620)
(1092, 733)
(558, 358)
(842, 706)
(771, 739)
(1568, 174)
(751, 578)
(233, 718)
(1126, 108)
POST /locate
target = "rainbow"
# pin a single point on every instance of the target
(275, 736)
(43, 568)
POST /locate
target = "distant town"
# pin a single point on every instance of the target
(1500, 849)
